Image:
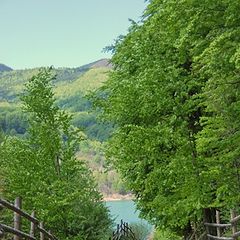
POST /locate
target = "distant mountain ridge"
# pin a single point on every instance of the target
(104, 62)
(4, 68)
(68, 80)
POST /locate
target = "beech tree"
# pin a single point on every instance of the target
(174, 95)
(42, 168)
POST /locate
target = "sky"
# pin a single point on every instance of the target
(62, 33)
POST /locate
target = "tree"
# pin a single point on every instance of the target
(43, 168)
(218, 142)
(164, 97)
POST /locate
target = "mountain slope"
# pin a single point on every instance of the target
(4, 68)
(70, 86)
(12, 82)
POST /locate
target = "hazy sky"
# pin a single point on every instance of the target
(68, 33)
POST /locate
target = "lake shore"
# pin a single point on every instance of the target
(117, 197)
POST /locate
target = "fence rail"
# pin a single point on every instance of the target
(122, 232)
(223, 226)
(35, 224)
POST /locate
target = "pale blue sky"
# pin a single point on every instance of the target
(63, 33)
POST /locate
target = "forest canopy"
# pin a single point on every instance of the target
(175, 96)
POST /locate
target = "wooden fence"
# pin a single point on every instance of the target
(122, 232)
(222, 229)
(35, 225)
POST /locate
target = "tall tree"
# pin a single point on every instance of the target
(218, 142)
(158, 96)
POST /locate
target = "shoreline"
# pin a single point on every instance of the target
(117, 197)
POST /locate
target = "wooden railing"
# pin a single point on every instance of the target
(221, 228)
(123, 231)
(35, 225)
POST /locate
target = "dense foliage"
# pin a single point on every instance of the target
(175, 96)
(42, 168)
(71, 87)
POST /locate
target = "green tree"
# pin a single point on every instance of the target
(218, 142)
(43, 168)
(175, 87)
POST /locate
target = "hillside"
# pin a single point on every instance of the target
(71, 86)
(4, 68)
(12, 82)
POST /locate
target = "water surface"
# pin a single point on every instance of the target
(125, 210)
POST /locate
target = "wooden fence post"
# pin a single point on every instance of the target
(1, 230)
(33, 226)
(234, 224)
(127, 229)
(41, 233)
(50, 234)
(207, 232)
(218, 222)
(17, 217)
(1, 233)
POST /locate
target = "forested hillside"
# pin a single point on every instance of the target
(70, 87)
(41, 167)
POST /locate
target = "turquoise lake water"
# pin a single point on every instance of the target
(125, 210)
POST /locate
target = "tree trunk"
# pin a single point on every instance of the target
(209, 216)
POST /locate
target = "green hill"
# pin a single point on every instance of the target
(71, 86)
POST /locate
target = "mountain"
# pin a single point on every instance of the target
(70, 87)
(101, 63)
(4, 68)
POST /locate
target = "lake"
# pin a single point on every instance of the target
(125, 210)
